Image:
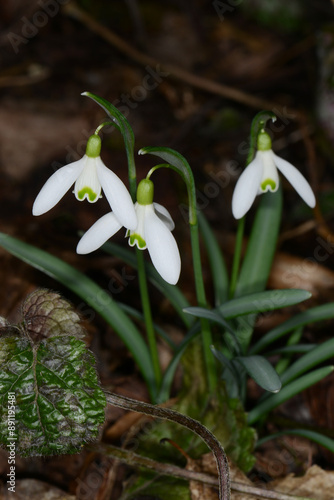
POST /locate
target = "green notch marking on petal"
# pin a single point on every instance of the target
(88, 193)
(136, 239)
(268, 183)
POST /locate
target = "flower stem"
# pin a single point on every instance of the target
(151, 338)
(201, 299)
(237, 256)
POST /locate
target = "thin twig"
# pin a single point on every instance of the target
(172, 70)
(166, 469)
(185, 421)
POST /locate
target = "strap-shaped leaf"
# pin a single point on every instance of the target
(52, 387)
(318, 313)
(288, 392)
(124, 127)
(178, 163)
(259, 302)
(261, 371)
(218, 267)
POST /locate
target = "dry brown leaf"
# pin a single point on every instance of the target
(200, 490)
(317, 484)
(289, 271)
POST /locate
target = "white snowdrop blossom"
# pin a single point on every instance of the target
(153, 231)
(89, 176)
(261, 175)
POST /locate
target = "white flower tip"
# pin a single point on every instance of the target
(41, 205)
(141, 151)
(83, 247)
(84, 93)
(239, 209)
(36, 210)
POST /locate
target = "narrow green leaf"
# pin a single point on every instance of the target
(202, 312)
(54, 394)
(292, 349)
(178, 163)
(230, 374)
(261, 246)
(168, 376)
(90, 292)
(216, 259)
(261, 371)
(312, 315)
(171, 292)
(288, 392)
(313, 358)
(314, 436)
(124, 127)
(259, 302)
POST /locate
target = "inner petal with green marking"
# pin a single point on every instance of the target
(268, 185)
(87, 185)
(88, 193)
(136, 239)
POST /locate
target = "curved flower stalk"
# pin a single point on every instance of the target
(261, 175)
(153, 231)
(89, 176)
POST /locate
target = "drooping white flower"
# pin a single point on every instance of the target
(261, 175)
(153, 231)
(89, 176)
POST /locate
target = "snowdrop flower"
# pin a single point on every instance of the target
(153, 231)
(261, 175)
(89, 175)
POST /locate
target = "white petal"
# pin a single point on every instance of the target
(247, 187)
(162, 248)
(87, 184)
(270, 179)
(56, 186)
(296, 179)
(117, 195)
(103, 229)
(164, 216)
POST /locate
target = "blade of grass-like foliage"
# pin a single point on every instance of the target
(269, 300)
(287, 392)
(261, 246)
(286, 359)
(171, 292)
(319, 313)
(318, 438)
(168, 376)
(292, 349)
(261, 371)
(231, 374)
(202, 312)
(178, 163)
(313, 358)
(260, 252)
(124, 127)
(92, 294)
(216, 259)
